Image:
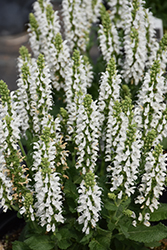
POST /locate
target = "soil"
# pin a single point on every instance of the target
(8, 239)
(10, 228)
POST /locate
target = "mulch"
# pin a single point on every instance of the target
(8, 239)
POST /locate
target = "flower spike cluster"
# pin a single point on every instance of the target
(33, 97)
(108, 36)
(152, 183)
(135, 44)
(138, 42)
(151, 112)
(125, 153)
(100, 142)
(119, 9)
(89, 202)
(78, 79)
(44, 25)
(49, 161)
(87, 133)
(86, 139)
(78, 16)
(45, 38)
(13, 178)
(109, 92)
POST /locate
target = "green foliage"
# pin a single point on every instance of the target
(160, 214)
(147, 235)
(91, 168)
(39, 242)
(33, 237)
(19, 245)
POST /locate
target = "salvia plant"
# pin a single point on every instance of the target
(82, 155)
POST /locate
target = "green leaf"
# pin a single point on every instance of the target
(75, 246)
(119, 244)
(71, 205)
(95, 245)
(125, 204)
(31, 228)
(70, 190)
(111, 226)
(110, 206)
(164, 143)
(160, 213)
(85, 240)
(153, 244)
(41, 242)
(56, 237)
(71, 194)
(18, 245)
(145, 234)
(102, 240)
(65, 233)
(64, 242)
(77, 179)
(123, 227)
(35, 227)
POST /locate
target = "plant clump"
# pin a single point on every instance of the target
(82, 152)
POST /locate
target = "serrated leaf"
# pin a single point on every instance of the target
(110, 206)
(95, 245)
(35, 227)
(64, 244)
(121, 243)
(111, 226)
(102, 241)
(85, 240)
(71, 205)
(102, 231)
(66, 235)
(41, 242)
(125, 203)
(124, 224)
(160, 213)
(145, 234)
(70, 190)
(153, 244)
(123, 228)
(57, 236)
(77, 180)
(18, 245)
(74, 246)
(25, 233)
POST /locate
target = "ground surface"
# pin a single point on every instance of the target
(6, 241)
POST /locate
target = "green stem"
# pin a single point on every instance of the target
(102, 168)
(102, 154)
(115, 214)
(73, 157)
(23, 153)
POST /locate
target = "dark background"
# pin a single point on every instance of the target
(14, 17)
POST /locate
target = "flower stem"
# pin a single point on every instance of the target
(23, 153)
